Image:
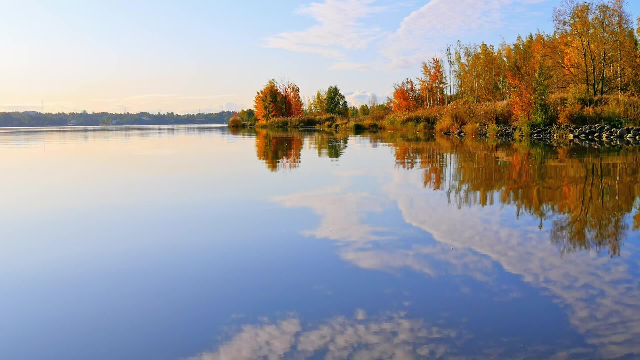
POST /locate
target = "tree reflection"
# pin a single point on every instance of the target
(586, 193)
(279, 150)
(282, 149)
(329, 145)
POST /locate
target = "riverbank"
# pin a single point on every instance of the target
(568, 118)
(588, 135)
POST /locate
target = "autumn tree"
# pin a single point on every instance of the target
(318, 104)
(269, 102)
(235, 121)
(529, 75)
(277, 100)
(406, 97)
(293, 105)
(432, 83)
(480, 73)
(597, 45)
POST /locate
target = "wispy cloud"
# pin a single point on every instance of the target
(422, 34)
(426, 31)
(339, 27)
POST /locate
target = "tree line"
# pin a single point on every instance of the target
(32, 118)
(593, 52)
(587, 70)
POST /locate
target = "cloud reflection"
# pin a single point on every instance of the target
(600, 295)
(390, 336)
(341, 214)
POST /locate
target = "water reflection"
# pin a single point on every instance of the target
(279, 150)
(390, 245)
(36, 136)
(282, 149)
(329, 145)
(384, 336)
(390, 336)
(602, 297)
(586, 193)
(480, 191)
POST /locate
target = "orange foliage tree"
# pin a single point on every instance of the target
(278, 100)
(433, 83)
(528, 74)
(405, 96)
(293, 105)
(269, 102)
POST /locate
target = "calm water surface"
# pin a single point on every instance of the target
(199, 243)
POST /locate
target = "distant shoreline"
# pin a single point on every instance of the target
(36, 119)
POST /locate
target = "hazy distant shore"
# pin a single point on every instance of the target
(37, 119)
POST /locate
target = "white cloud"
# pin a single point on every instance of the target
(422, 34)
(360, 97)
(339, 27)
(345, 65)
(427, 31)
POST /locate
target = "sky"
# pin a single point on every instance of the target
(205, 56)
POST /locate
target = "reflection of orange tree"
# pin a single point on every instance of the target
(586, 193)
(280, 150)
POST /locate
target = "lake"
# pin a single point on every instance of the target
(197, 242)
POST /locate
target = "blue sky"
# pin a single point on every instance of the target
(194, 56)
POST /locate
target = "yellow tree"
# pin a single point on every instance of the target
(480, 73)
(432, 83)
(598, 47)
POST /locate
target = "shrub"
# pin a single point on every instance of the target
(446, 125)
(471, 129)
(235, 122)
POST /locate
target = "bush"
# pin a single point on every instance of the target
(471, 129)
(299, 121)
(235, 122)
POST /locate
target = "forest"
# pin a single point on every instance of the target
(586, 72)
(33, 118)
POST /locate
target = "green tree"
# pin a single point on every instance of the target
(353, 112)
(248, 116)
(364, 110)
(318, 105)
(336, 103)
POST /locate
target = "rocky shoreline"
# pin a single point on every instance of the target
(587, 135)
